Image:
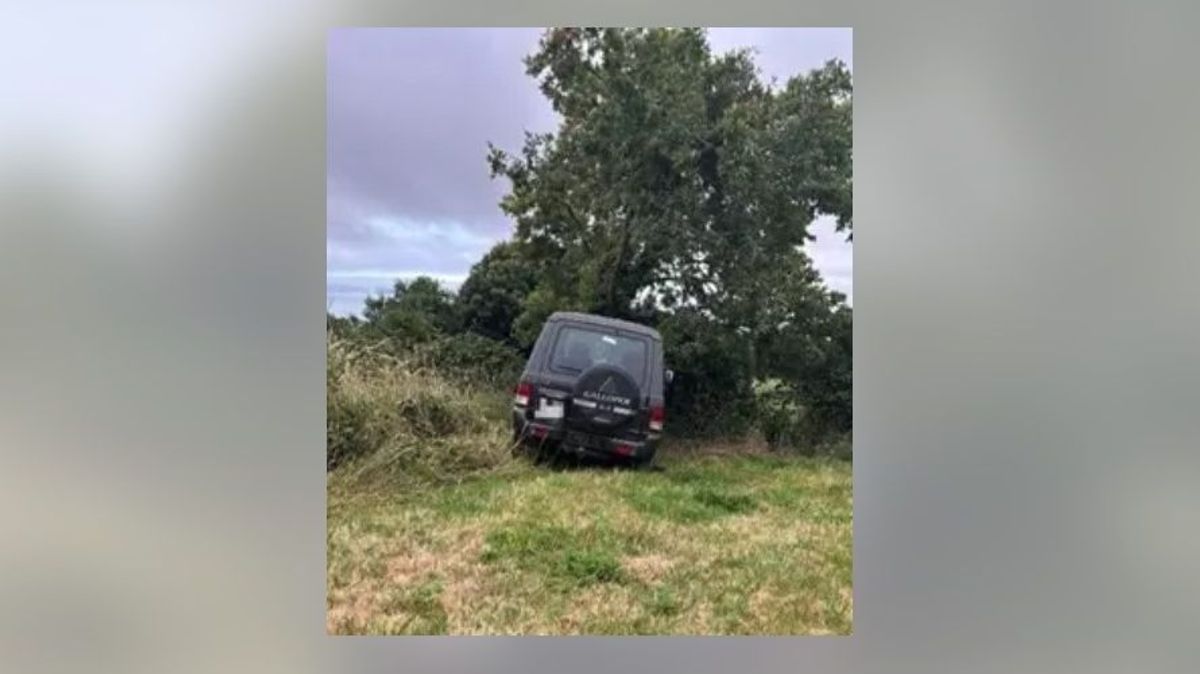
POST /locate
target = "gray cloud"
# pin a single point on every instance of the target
(410, 113)
(783, 52)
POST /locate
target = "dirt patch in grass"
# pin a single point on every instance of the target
(606, 609)
(647, 568)
(415, 590)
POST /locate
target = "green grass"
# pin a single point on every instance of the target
(555, 552)
(710, 545)
(687, 504)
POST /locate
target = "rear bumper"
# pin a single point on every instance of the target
(580, 443)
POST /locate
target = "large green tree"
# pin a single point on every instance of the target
(676, 178)
(416, 311)
(492, 296)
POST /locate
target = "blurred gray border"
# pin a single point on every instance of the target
(1025, 372)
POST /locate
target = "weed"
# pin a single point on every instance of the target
(664, 602)
(591, 566)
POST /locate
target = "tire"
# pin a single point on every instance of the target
(647, 462)
(546, 453)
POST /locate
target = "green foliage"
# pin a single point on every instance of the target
(342, 327)
(678, 190)
(710, 395)
(674, 169)
(815, 359)
(477, 359)
(782, 418)
(492, 296)
(415, 312)
(790, 421)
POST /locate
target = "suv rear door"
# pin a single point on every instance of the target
(573, 347)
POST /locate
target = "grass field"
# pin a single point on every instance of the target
(712, 544)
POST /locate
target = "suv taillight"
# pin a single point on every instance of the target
(658, 414)
(523, 393)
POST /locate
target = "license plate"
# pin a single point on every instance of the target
(548, 409)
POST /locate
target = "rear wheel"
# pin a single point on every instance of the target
(547, 453)
(647, 462)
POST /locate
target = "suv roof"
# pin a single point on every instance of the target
(606, 322)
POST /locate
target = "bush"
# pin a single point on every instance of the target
(786, 422)
(477, 359)
(697, 410)
(397, 419)
(780, 416)
(710, 397)
(840, 447)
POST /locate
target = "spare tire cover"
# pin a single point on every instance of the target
(605, 397)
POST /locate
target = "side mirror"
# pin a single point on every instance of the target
(668, 376)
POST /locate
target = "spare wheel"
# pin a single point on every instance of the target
(606, 398)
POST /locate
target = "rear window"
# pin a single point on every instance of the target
(578, 349)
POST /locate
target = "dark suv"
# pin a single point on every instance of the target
(593, 387)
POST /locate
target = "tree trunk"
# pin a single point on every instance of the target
(622, 249)
(752, 356)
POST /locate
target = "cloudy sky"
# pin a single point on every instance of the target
(410, 113)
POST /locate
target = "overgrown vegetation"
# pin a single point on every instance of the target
(398, 419)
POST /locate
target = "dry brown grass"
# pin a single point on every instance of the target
(392, 421)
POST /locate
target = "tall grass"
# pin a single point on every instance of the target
(396, 420)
